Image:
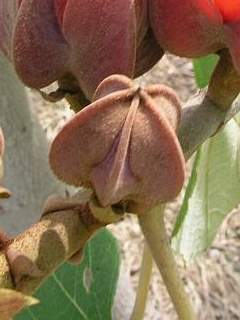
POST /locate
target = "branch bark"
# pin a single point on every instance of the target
(34, 254)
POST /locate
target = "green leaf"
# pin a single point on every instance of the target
(213, 191)
(203, 69)
(83, 292)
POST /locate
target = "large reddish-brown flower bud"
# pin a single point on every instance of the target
(124, 145)
(194, 28)
(86, 39)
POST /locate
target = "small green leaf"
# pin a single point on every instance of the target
(83, 292)
(203, 69)
(213, 191)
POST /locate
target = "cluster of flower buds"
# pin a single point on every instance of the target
(89, 40)
(86, 39)
(124, 145)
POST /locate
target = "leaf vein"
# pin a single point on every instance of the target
(77, 307)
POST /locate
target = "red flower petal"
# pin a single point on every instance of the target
(189, 28)
(230, 9)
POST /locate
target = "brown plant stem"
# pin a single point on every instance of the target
(47, 244)
(153, 227)
(143, 284)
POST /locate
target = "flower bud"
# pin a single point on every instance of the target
(87, 39)
(194, 28)
(124, 145)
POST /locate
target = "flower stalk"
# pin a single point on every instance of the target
(153, 228)
(143, 284)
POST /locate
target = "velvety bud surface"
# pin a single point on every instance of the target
(40, 51)
(123, 145)
(103, 39)
(86, 38)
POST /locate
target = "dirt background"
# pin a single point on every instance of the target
(213, 280)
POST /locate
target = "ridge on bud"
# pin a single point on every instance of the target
(124, 145)
(194, 28)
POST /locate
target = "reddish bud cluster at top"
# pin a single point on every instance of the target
(92, 39)
(194, 28)
(87, 39)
